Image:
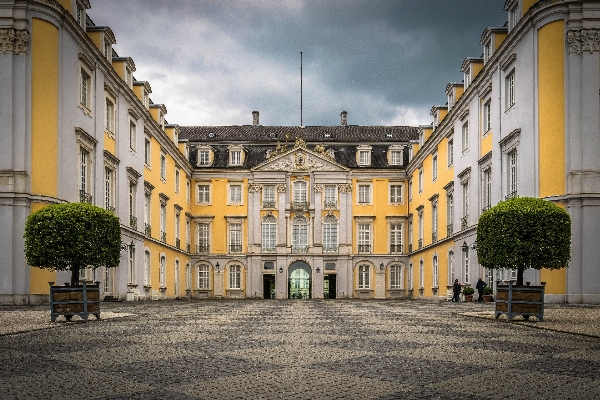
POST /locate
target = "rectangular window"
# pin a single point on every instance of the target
(330, 235)
(363, 277)
(450, 152)
(465, 137)
(147, 210)
(84, 93)
(108, 189)
(203, 157)
(131, 266)
(364, 157)
(487, 116)
(487, 189)
(468, 76)
(235, 194)
(236, 157)
(488, 51)
(330, 196)
(187, 190)
(163, 167)
(434, 165)
(364, 238)
(128, 76)
(204, 194)
(300, 192)
(203, 238)
(235, 272)
(512, 173)
(132, 201)
(410, 276)
(396, 157)
(84, 175)
(434, 223)
(395, 238)
(110, 116)
(146, 268)
(410, 187)
(466, 265)
(364, 194)
(421, 229)
(510, 90)
(203, 271)
(132, 135)
(235, 238)
(465, 189)
(420, 180)
(269, 235)
(421, 275)
(177, 226)
(450, 212)
(435, 272)
(395, 194)
(147, 154)
(163, 223)
(176, 180)
(299, 236)
(268, 196)
(395, 277)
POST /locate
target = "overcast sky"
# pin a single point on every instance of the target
(213, 62)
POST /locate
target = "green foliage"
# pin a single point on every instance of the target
(488, 290)
(524, 233)
(69, 236)
(468, 290)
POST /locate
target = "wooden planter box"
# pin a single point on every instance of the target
(81, 300)
(512, 300)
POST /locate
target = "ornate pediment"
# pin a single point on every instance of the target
(301, 159)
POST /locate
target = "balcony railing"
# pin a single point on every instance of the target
(269, 249)
(433, 237)
(449, 230)
(396, 248)
(364, 248)
(202, 248)
(330, 248)
(133, 222)
(163, 237)
(177, 243)
(331, 204)
(268, 204)
(299, 249)
(147, 229)
(299, 205)
(235, 248)
(85, 197)
(464, 222)
(420, 243)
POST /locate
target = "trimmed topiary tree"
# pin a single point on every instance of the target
(522, 233)
(71, 236)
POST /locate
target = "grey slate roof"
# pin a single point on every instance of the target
(257, 139)
(260, 133)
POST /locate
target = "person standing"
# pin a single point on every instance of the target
(456, 288)
(480, 285)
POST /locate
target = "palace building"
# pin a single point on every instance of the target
(298, 212)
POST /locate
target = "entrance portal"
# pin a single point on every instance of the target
(300, 283)
(329, 289)
(268, 286)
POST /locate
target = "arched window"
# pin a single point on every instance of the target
(363, 277)
(434, 271)
(235, 272)
(299, 235)
(330, 234)
(421, 275)
(395, 276)
(269, 233)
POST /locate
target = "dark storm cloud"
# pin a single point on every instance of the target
(213, 62)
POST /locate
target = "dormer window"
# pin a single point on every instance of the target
(161, 120)
(327, 135)
(107, 50)
(81, 16)
(364, 155)
(389, 135)
(145, 99)
(468, 76)
(128, 77)
(488, 51)
(395, 155)
(205, 156)
(236, 156)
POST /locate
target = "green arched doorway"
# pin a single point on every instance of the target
(299, 281)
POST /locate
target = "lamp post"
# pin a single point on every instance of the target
(465, 247)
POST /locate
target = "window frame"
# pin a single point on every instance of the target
(330, 233)
(364, 276)
(465, 136)
(268, 233)
(203, 277)
(235, 195)
(204, 195)
(395, 191)
(364, 189)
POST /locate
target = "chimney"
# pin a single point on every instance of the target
(254, 118)
(344, 116)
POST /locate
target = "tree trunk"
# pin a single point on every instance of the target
(520, 271)
(75, 276)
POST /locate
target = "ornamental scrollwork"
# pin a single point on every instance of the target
(318, 188)
(281, 187)
(254, 187)
(15, 40)
(345, 188)
(582, 40)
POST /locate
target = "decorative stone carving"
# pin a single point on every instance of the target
(327, 153)
(279, 149)
(254, 187)
(281, 187)
(299, 143)
(345, 188)
(318, 188)
(15, 40)
(581, 40)
(299, 162)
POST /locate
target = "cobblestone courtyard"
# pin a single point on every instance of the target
(297, 350)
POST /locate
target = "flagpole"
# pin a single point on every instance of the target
(300, 88)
